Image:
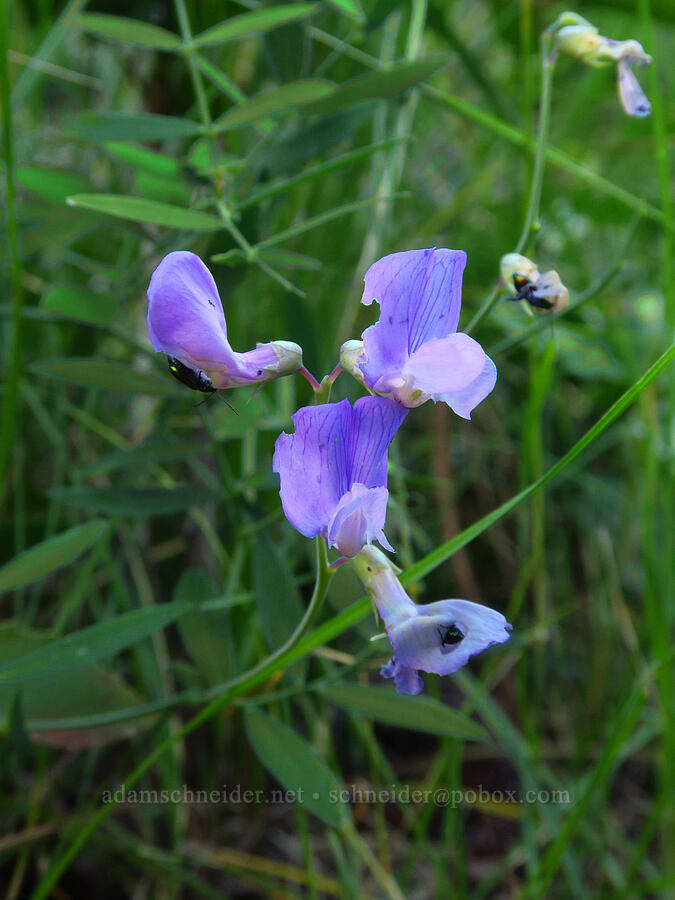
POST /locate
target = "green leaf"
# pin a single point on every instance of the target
(151, 212)
(50, 183)
(149, 453)
(129, 31)
(101, 373)
(288, 96)
(117, 126)
(254, 22)
(50, 555)
(288, 259)
(132, 501)
(206, 635)
(84, 692)
(142, 158)
(351, 8)
(90, 644)
(277, 596)
(377, 85)
(297, 766)
(79, 303)
(415, 713)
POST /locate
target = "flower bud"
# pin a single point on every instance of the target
(515, 263)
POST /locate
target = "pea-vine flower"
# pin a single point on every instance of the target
(436, 637)
(414, 352)
(579, 38)
(186, 321)
(333, 471)
(544, 292)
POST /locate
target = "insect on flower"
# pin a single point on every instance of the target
(547, 293)
(192, 378)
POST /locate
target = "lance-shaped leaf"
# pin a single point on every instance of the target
(111, 376)
(297, 766)
(118, 126)
(150, 212)
(377, 85)
(50, 555)
(259, 20)
(129, 31)
(132, 501)
(288, 96)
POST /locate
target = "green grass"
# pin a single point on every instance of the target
(157, 629)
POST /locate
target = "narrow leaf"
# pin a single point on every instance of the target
(141, 158)
(254, 22)
(415, 713)
(101, 373)
(151, 212)
(50, 555)
(90, 644)
(132, 501)
(117, 126)
(351, 8)
(288, 96)
(129, 31)
(79, 303)
(279, 604)
(52, 184)
(297, 766)
(378, 85)
(72, 697)
(206, 634)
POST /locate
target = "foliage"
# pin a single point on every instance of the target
(152, 585)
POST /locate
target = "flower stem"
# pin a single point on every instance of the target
(532, 216)
(531, 223)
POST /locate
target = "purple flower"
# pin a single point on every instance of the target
(436, 637)
(414, 353)
(334, 471)
(186, 321)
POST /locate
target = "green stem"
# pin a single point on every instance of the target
(195, 74)
(531, 223)
(532, 215)
(11, 393)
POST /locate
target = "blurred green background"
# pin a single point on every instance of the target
(151, 500)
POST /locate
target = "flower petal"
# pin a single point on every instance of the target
(359, 520)
(418, 641)
(314, 464)
(185, 315)
(633, 98)
(445, 365)
(419, 292)
(375, 421)
(464, 401)
(407, 680)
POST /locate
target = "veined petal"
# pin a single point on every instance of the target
(445, 365)
(185, 315)
(424, 642)
(375, 421)
(313, 465)
(359, 520)
(419, 292)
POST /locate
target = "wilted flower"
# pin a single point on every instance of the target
(414, 352)
(545, 293)
(581, 40)
(435, 637)
(333, 471)
(186, 321)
